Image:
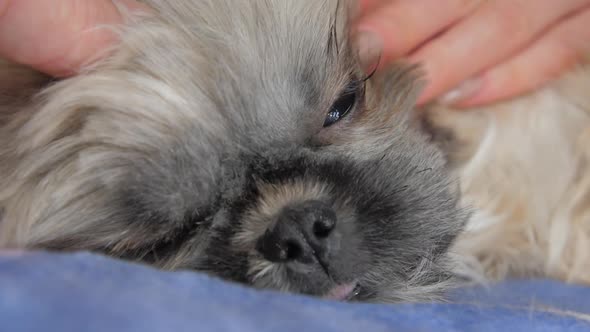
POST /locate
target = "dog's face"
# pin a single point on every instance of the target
(244, 140)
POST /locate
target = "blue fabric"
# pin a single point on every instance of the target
(85, 292)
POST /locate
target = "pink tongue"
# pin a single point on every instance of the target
(340, 292)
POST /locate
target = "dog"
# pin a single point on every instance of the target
(244, 140)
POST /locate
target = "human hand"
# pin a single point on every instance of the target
(476, 51)
(58, 37)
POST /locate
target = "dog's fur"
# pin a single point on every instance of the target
(183, 147)
(524, 168)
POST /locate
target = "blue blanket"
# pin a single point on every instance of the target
(85, 292)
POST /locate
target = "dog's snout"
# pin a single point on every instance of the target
(301, 233)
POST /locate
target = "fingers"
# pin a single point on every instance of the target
(494, 32)
(57, 37)
(366, 6)
(560, 49)
(394, 28)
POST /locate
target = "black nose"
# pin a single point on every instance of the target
(301, 233)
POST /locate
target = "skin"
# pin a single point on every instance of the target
(58, 37)
(533, 41)
(475, 51)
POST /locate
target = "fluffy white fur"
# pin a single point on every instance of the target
(525, 171)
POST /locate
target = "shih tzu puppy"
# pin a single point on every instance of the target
(244, 140)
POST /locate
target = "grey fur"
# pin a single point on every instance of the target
(158, 154)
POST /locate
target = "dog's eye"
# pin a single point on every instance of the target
(342, 105)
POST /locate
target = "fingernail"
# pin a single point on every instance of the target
(462, 92)
(370, 46)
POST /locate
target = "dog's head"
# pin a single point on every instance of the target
(242, 139)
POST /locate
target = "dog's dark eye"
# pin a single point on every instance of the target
(342, 105)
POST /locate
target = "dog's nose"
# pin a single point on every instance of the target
(301, 233)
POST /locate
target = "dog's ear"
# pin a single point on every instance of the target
(104, 160)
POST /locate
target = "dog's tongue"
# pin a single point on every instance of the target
(341, 292)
